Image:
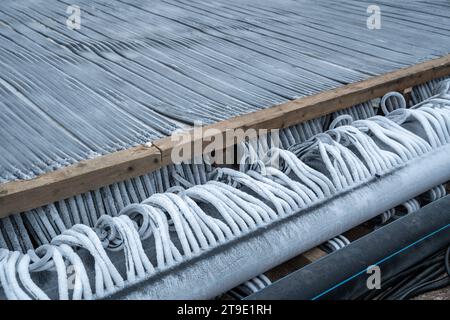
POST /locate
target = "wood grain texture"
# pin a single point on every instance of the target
(18, 196)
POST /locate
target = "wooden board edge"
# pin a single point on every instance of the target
(18, 196)
(84, 176)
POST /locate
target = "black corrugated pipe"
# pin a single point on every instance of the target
(394, 248)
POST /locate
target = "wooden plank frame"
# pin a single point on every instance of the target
(18, 196)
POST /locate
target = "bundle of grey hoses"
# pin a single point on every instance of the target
(249, 287)
(243, 201)
(429, 92)
(22, 232)
(389, 103)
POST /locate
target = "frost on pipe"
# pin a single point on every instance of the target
(323, 187)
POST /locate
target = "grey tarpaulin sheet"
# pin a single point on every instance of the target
(137, 70)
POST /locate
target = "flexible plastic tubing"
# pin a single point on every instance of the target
(135, 72)
(22, 232)
(243, 201)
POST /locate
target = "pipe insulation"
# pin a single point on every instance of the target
(137, 70)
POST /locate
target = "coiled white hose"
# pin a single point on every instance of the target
(242, 202)
(249, 287)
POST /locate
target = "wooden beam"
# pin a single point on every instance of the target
(311, 107)
(407, 94)
(314, 254)
(18, 196)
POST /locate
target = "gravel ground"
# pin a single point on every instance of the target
(442, 294)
